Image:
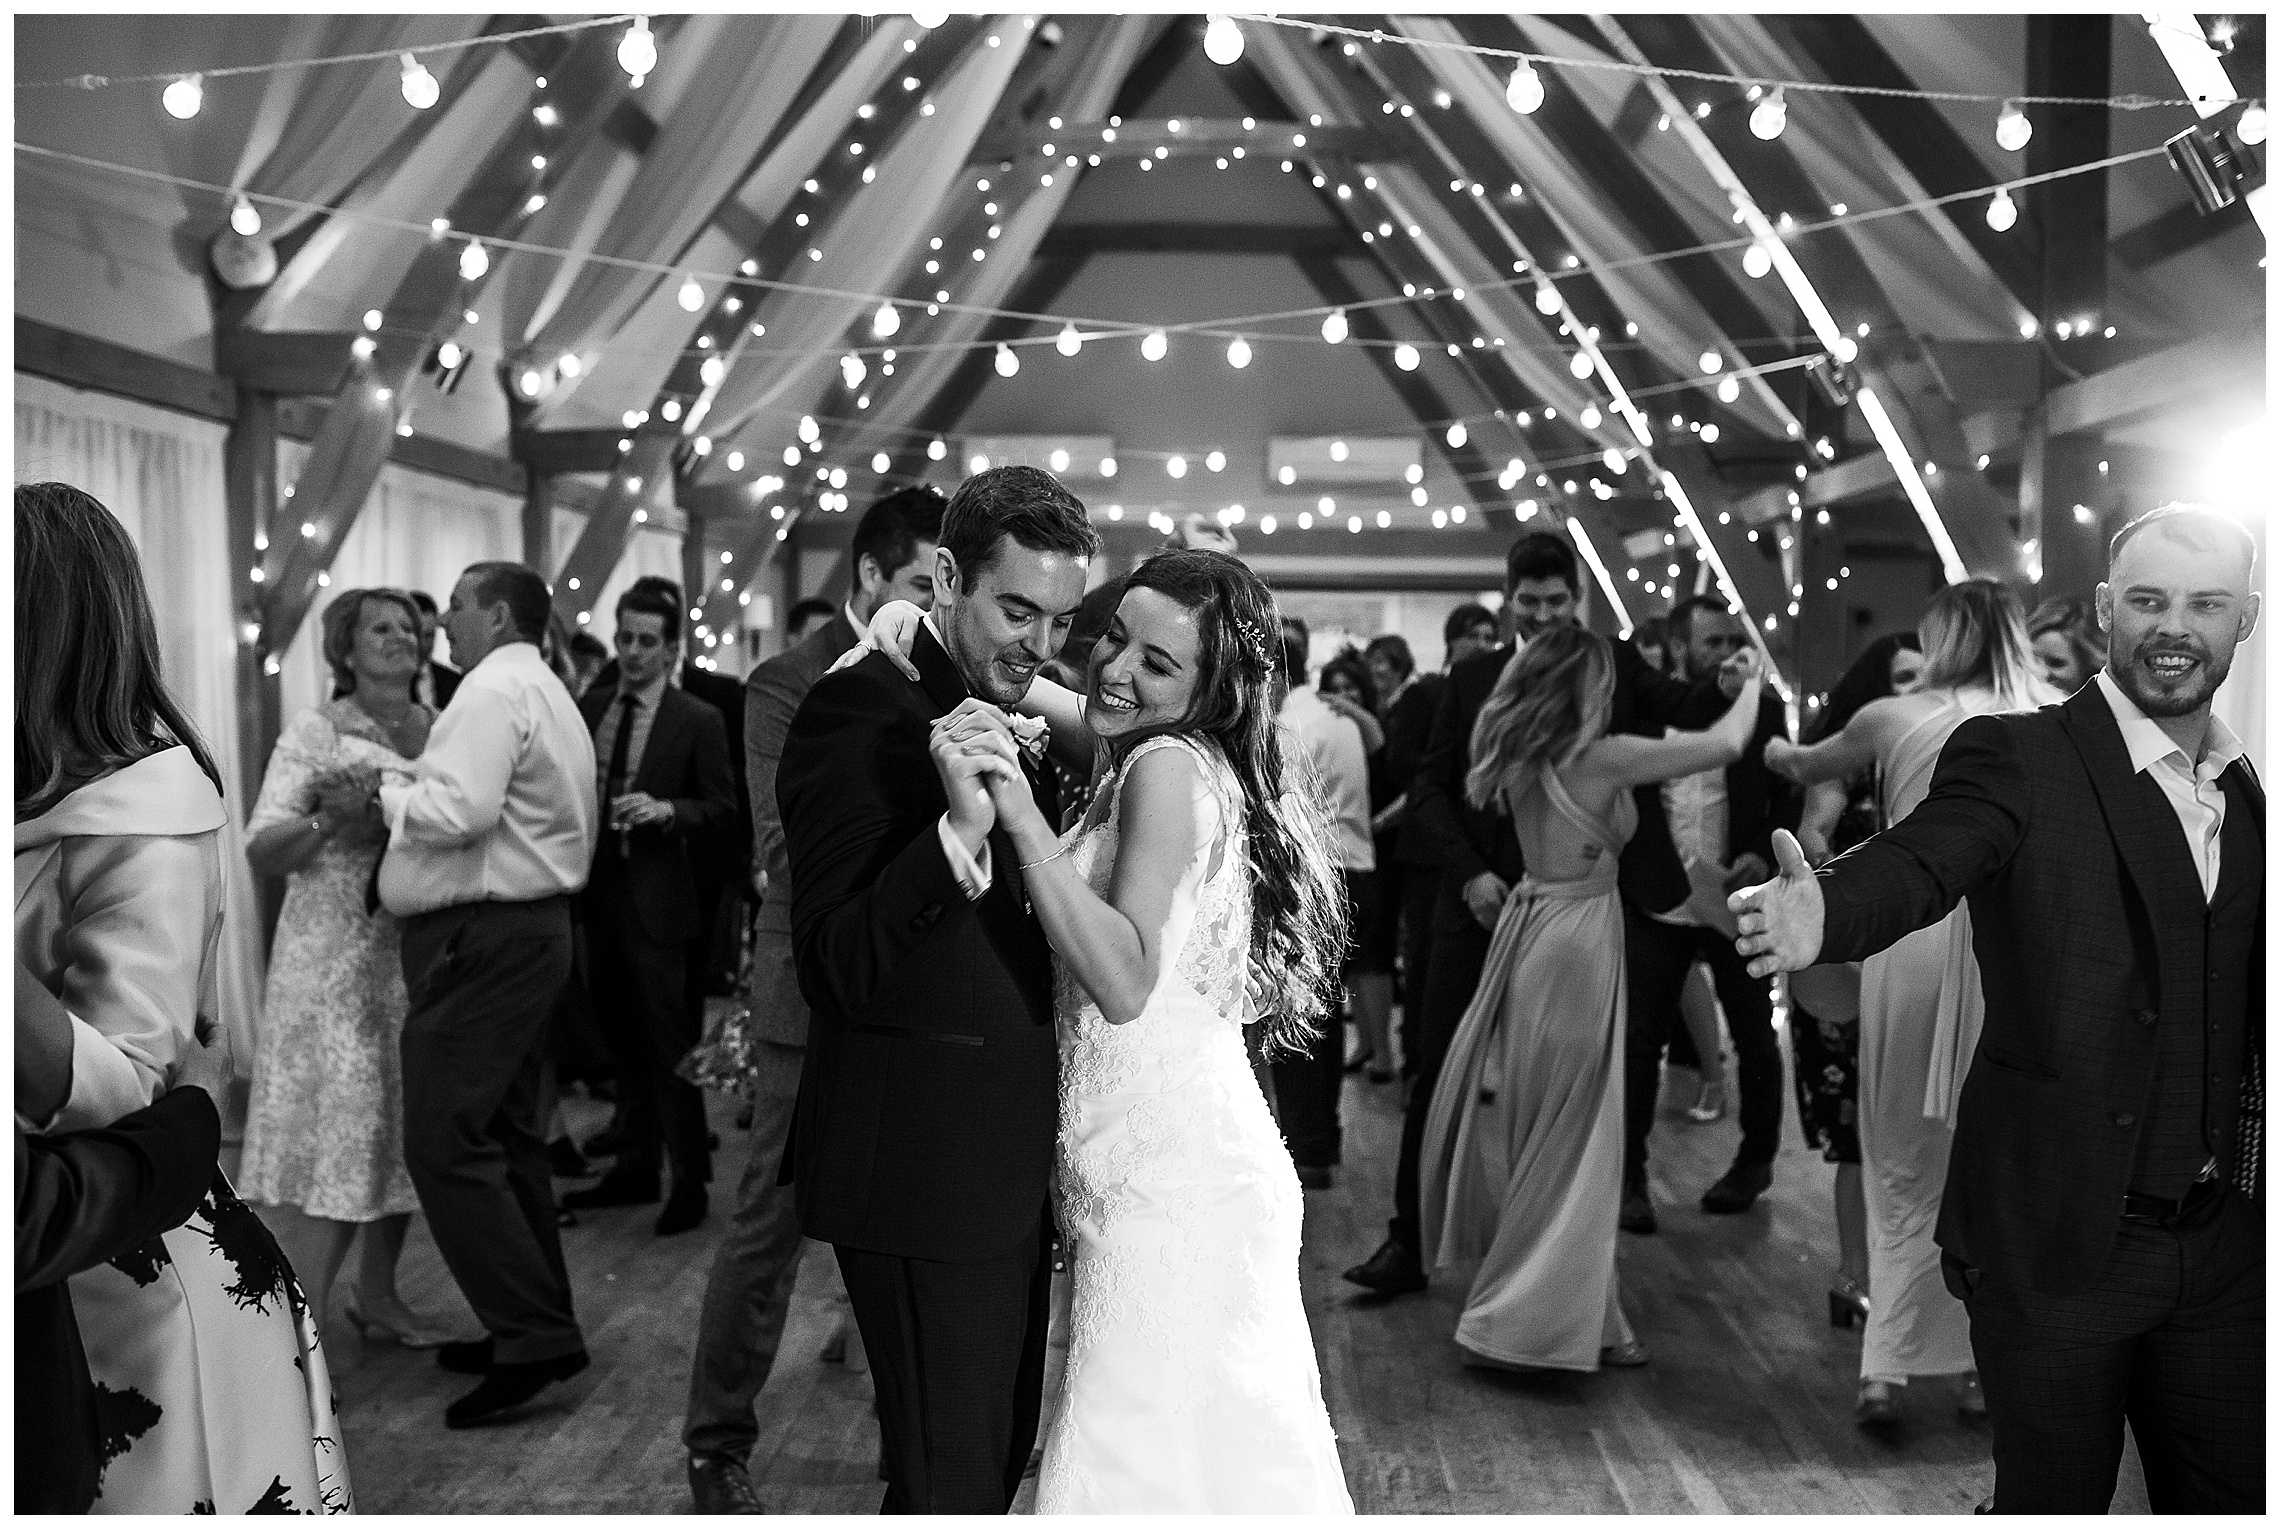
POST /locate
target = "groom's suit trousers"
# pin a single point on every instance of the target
(958, 1360)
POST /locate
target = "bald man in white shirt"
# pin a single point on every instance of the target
(486, 845)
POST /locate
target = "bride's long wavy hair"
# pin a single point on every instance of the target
(1553, 698)
(1298, 903)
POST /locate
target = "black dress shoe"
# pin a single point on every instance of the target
(1637, 1212)
(721, 1485)
(1739, 1189)
(1394, 1269)
(469, 1358)
(684, 1211)
(614, 1189)
(510, 1385)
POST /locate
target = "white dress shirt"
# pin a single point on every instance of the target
(2190, 785)
(502, 806)
(1695, 807)
(1333, 746)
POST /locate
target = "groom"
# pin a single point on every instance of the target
(927, 1109)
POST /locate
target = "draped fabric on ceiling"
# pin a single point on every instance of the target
(161, 474)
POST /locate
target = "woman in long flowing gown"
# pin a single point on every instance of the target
(1920, 1004)
(212, 1389)
(1191, 1383)
(1522, 1163)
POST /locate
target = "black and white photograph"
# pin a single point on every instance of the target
(825, 763)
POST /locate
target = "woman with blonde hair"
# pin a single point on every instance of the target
(1523, 1159)
(1920, 1003)
(324, 1135)
(2067, 644)
(218, 1398)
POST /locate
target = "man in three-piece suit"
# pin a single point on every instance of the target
(2102, 1220)
(749, 1290)
(665, 781)
(1477, 858)
(1725, 817)
(924, 1129)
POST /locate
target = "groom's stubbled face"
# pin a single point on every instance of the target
(1001, 622)
(2175, 605)
(1144, 667)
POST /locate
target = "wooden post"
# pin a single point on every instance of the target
(538, 521)
(250, 476)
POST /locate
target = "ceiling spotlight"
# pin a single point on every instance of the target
(1155, 345)
(420, 88)
(244, 219)
(1069, 342)
(1757, 260)
(474, 261)
(2002, 212)
(1405, 356)
(886, 321)
(2012, 129)
(1524, 92)
(1222, 40)
(1007, 362)
(637, 51)
(1239, 353)
(1334, 326)
(1108, 467)
(692, 295)
(183, 98)
(1770, 116)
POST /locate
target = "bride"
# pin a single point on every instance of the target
(1191, 1384)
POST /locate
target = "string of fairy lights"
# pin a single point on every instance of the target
(885, 321)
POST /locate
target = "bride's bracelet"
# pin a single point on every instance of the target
(1031, 865)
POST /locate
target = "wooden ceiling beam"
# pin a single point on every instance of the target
(287, 362)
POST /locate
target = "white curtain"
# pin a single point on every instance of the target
(160, 473)
(650, 549)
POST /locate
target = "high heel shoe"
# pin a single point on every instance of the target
(1971, 1402)
(1847, 1303)
(1709, 1104)
(1879, 1404)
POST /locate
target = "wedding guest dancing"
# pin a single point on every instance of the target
(1920, 1000)
(324, 1129)
(2102, 1222)
(923, 1132)
(487, 843)
(1522, 1161)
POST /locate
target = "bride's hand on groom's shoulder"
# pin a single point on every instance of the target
(893, 631)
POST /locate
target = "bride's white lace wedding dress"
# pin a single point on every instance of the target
(1191, 1384)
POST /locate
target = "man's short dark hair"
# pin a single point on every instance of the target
(1296, 639)
(644, 598)
(1462, 620)
(669, 588)
(2196, 525)
(890, 531)
(425, 601)
(519, 588)
(1394, 649)
(1026, 504)
(1541, 555)
(1682, 615)
(808, 610)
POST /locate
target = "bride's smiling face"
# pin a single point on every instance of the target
(1144, 667)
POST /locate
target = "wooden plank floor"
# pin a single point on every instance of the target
(1746, 1407)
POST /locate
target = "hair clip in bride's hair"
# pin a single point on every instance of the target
(1254, 640)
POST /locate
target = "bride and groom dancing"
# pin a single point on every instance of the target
(1016, 1027)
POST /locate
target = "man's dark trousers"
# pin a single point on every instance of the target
(642, 1007)
(1657, 957)
(1307, 1088)
(1460, 950)
(482, 979)
(2170, 1336)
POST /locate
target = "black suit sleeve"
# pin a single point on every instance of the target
(1433, 833)
(711, 809)
(85, 1197)
(1408, 730)
(1910, 876)
(1784, 800)
(870, 881)
(1658, 701)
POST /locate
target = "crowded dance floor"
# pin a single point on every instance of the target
(1176, 764)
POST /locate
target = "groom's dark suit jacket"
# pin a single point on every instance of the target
(928, 1105)
(2100, 956)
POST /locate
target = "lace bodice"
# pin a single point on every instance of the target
(1207, 942)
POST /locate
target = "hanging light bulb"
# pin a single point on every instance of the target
(1579, 365)
(1007, 362)
(1155, 345)
(1590, 417)
(713, 371)
(1729, 390)
(637, 51)
(1524, 92)
(1456, 436)
(692, 295)
(2002, 212)
(474, 261)
(1712, 362)
(886, 321)
(1238, 353)
(1334, 326)
(1405, 356)
(852, 371)
(937, 448)
(419, 86)
(1547, 300)
(2012, 129)
(1757, 260)
(1069, 341)
(244, 219)
(809, 432)
(2252, 127)
(1222, 40)
(930, 19)
(1615, 460)
(1177, 467)
(448, 355)
(1770, 117)
(183, 98)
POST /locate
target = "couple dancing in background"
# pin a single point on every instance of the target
(1002, 1010)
